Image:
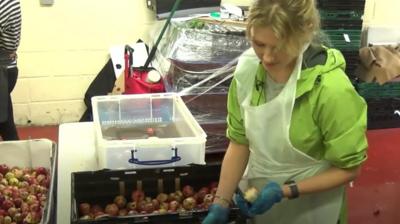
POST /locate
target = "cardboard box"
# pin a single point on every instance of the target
(34, 153)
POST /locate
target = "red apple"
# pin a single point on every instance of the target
(156, 204)
(84, 209)
(41, 170)
(213, 190)
(201, 193)
(141, 206)
(120, 201)
(111, 209)
(137, 195)
(187, 191)
(95, 209)
(18, 202)
(173, 206)
(148, 207)
(4, 169)
(7, 204)
(213, 184)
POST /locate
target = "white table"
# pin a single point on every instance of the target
(76, 152)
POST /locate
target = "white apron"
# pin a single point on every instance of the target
(273, 157)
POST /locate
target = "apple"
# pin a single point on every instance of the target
(120, 201)
(131, 206)
(141, 206)
(156, 204)
(162, 197)
(137, 195)
(111, 209)
(4, 169)
(189, 203)
(7, 220)
(187, 191)
(251, 194)
(213, 190)
(41, 170)
(201, 193)
(84, 208)
(95, 209)
(173, 206)
(148, 207)
(123, 212)
(7, 204)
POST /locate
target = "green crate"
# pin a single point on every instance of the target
(344, 39)
(374, 90)
(341, 15)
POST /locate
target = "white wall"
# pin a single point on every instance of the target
(64, 46)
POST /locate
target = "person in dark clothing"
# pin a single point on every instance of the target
(10, 31)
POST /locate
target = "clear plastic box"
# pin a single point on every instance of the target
(146, 130)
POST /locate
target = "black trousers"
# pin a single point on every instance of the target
(8, 130)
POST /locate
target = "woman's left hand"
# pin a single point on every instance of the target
(269, 195)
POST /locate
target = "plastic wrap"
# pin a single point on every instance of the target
(188, 55)
(199, 64)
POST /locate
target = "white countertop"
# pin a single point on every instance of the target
(76, 152)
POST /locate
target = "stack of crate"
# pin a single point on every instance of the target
(342, 23)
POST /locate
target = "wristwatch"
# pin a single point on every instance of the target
(294, 190)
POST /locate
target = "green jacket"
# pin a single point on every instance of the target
(329, 117)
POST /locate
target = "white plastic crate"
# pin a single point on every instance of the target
(146, 131)
(34, 153)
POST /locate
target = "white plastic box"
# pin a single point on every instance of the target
(146, 131)
(34, 153)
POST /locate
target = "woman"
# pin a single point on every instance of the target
(294, 120)
(10, 31)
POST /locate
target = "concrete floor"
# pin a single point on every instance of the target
(373, 198)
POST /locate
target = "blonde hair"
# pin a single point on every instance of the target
(295, 22)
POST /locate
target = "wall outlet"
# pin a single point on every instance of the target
(46, 2)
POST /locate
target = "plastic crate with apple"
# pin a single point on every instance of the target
(146, 130)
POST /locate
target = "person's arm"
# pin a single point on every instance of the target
(331, 178)
(233, 166)
(341, 117)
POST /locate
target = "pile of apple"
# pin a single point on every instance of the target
(23, 194)
(180, 201)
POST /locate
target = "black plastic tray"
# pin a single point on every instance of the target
(381, 113)
(101, 187)
(341, 4)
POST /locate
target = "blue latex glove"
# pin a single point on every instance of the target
(216, 215)
(269, 195)
(242, 204)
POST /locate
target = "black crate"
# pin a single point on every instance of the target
(341, 4)
(381, 113)
(341, 19)
(100, 187)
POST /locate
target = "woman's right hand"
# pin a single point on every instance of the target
(217, 214)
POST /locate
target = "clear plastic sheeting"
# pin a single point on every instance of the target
(197, 60)
(187, 56)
